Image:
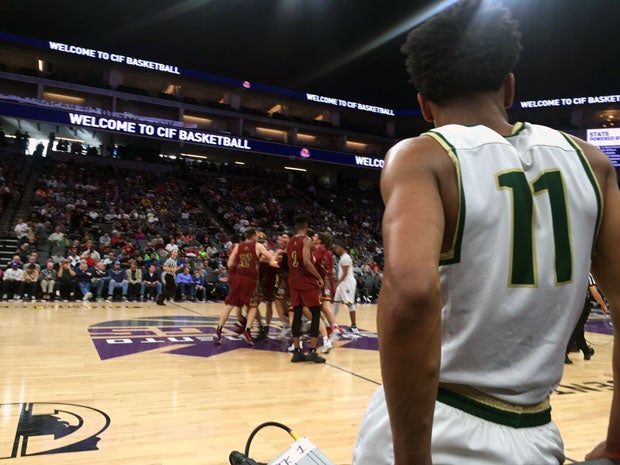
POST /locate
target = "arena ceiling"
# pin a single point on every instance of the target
(341, 48)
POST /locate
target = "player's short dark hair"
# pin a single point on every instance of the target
(468, 48)
(325, 238)
(250, 233)
(301, 221)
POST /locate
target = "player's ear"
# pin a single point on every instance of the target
(425, 106)
(509, 90)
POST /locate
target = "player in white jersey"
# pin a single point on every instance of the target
(516, 216)
(346, 286)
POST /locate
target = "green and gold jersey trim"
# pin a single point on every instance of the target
(595, 186)
(454, 254)
(516, 129)
(495, 410)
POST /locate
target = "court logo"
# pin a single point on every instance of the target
(191, 335)
(39, 428)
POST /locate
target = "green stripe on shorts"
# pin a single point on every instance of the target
(492, 414)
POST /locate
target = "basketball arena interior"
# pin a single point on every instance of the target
(126, 127)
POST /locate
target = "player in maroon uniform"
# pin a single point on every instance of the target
(305, 284)
(244, 287)
(267, 285)
(282, 295)
(324, 262)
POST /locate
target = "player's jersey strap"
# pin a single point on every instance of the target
(595, 186)
(453, 255)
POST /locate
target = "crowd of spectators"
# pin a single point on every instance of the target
(101, 228)
(75, 275)
(11, 185)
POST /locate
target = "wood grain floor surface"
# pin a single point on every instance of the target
(140, 384)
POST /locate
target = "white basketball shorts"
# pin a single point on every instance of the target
(460, 438)
(345, 292)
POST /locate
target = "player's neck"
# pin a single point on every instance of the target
(482, 110)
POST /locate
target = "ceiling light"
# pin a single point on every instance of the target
(191, 155)
(196, 119)
(62, 98)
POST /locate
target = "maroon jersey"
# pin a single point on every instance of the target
(267, 280)
(324, 261)
(246, 262)
(298, 276)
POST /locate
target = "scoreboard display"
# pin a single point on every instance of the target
(608, 141)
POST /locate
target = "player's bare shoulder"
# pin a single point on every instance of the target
(416, 155)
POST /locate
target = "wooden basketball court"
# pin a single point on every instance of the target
(142, 384)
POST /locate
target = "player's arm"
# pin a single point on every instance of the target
(597, 296)
(233, 255)
(263, 252)
(409, 309)
(606, 270)
(306, 253)
(345, 271)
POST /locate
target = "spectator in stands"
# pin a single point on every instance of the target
(47, 278)
(105, 240)
(139, 235)
(31, 282)
(22, 230)
(32, 260)
(134, 279)
(109, 260)
(57, 239)
(90, 255)
(58, 258)
(117, 238)
(24, 251)
(157, 242)
(129, 249)
(13, 281)
(66, 281)
(100, 280)
(185, 284)
(118, 279)
(151, 285)
(212, 250)
(140, 263)
(151, 258)
(198, 290)
(172, 245)
(74, 257)
(223, 282)
(40, 234)
(83, 276)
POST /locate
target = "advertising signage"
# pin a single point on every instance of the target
(71, 49)
(187, 135)
(608, 141)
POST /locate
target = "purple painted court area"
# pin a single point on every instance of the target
(600, 327)
(193, 338)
